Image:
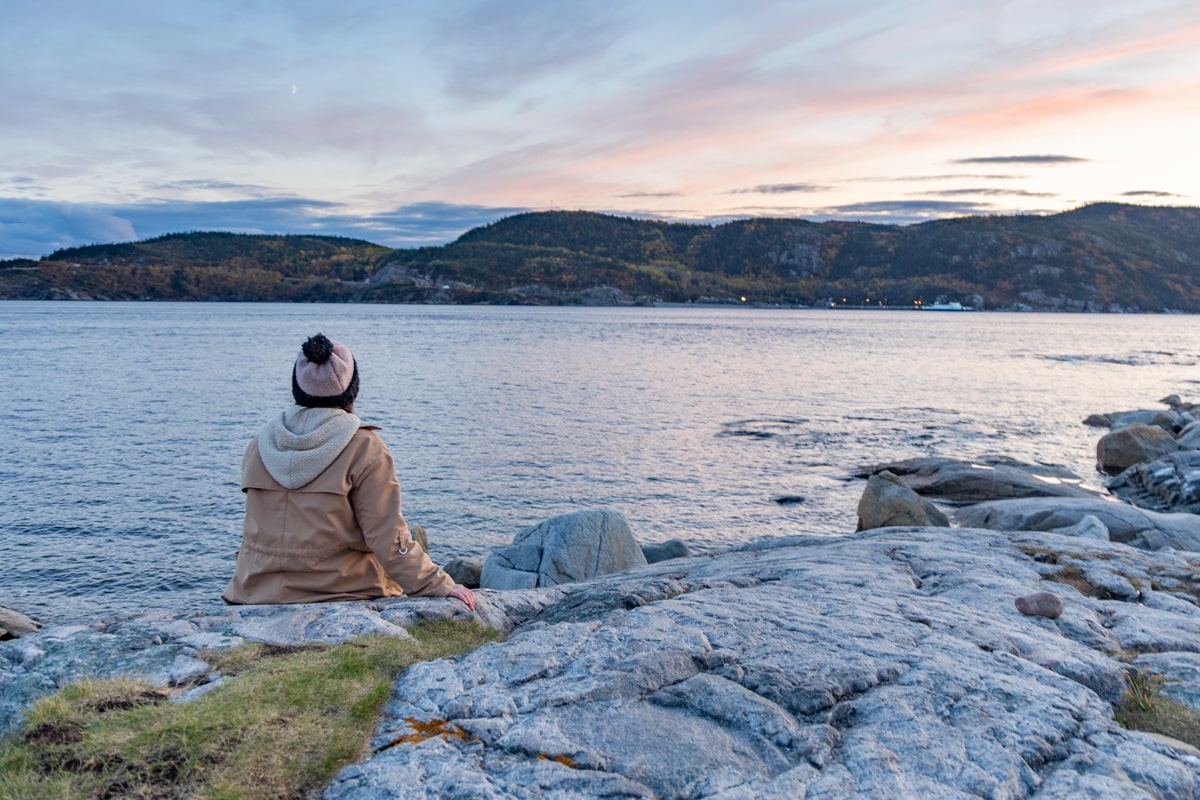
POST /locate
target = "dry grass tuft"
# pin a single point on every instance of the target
(1143, 708)
(284, 723)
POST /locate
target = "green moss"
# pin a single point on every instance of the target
(284, 723)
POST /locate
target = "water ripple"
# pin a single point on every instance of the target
(120, 469)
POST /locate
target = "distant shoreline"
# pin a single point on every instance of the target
(674, 305)
(1103, 257)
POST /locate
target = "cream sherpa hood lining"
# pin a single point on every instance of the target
(299, 444)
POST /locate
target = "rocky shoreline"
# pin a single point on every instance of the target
(893, 662)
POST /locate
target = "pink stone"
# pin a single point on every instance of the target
(1040, 604)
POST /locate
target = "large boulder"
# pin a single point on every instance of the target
(888, 503)
(1189, 437)
(1171, 421)
(419, 535)
(1121, 448)
(464, 570)
(662, 551)
(564, 549)
(1170, 483)
(1148, 530)
(991, 478)
(14, 624)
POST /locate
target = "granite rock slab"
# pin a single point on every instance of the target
(166, 647)
(888, 664)
(1142, 528)
(1171, 420)
(992, 478)
(891, 663)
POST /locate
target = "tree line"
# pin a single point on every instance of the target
(1101, 257)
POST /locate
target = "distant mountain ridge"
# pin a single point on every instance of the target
(1101, 257)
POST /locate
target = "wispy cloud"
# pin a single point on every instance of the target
(202, 185)
(650, 194)
(31, 229)
(781, 188)
(1148, 193)
(1182, 38)
(420, 224)
(886, 212)
(1037, 160)
(34, 228)
(953, 176)
(492, 50)
(487, 105)
(904, 212)
(987, 192)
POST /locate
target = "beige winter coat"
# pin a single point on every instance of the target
(340, 536)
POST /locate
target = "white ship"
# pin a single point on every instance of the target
(942, 305)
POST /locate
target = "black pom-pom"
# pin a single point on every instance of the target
(318, 349)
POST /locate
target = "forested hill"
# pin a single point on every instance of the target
(1103, 257)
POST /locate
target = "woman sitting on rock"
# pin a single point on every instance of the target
(323, 519)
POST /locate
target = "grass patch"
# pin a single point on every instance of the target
(1127, 655)
(1143, 708)
(1044, 555)
(1071, 575)
(284, 723)
(1189, 587)
(1144, 688)
(1158, 714)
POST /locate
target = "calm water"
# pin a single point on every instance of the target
(124, 423)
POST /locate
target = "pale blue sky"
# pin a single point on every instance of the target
(407, 123)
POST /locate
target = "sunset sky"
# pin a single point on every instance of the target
(407, 123)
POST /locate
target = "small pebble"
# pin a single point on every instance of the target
(1040, 604)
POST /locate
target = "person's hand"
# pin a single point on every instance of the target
(460, 592)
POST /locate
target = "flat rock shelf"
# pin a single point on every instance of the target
(891, 663)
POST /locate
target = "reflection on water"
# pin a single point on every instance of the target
(125, 423)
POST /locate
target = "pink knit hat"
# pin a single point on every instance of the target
(325, 374)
